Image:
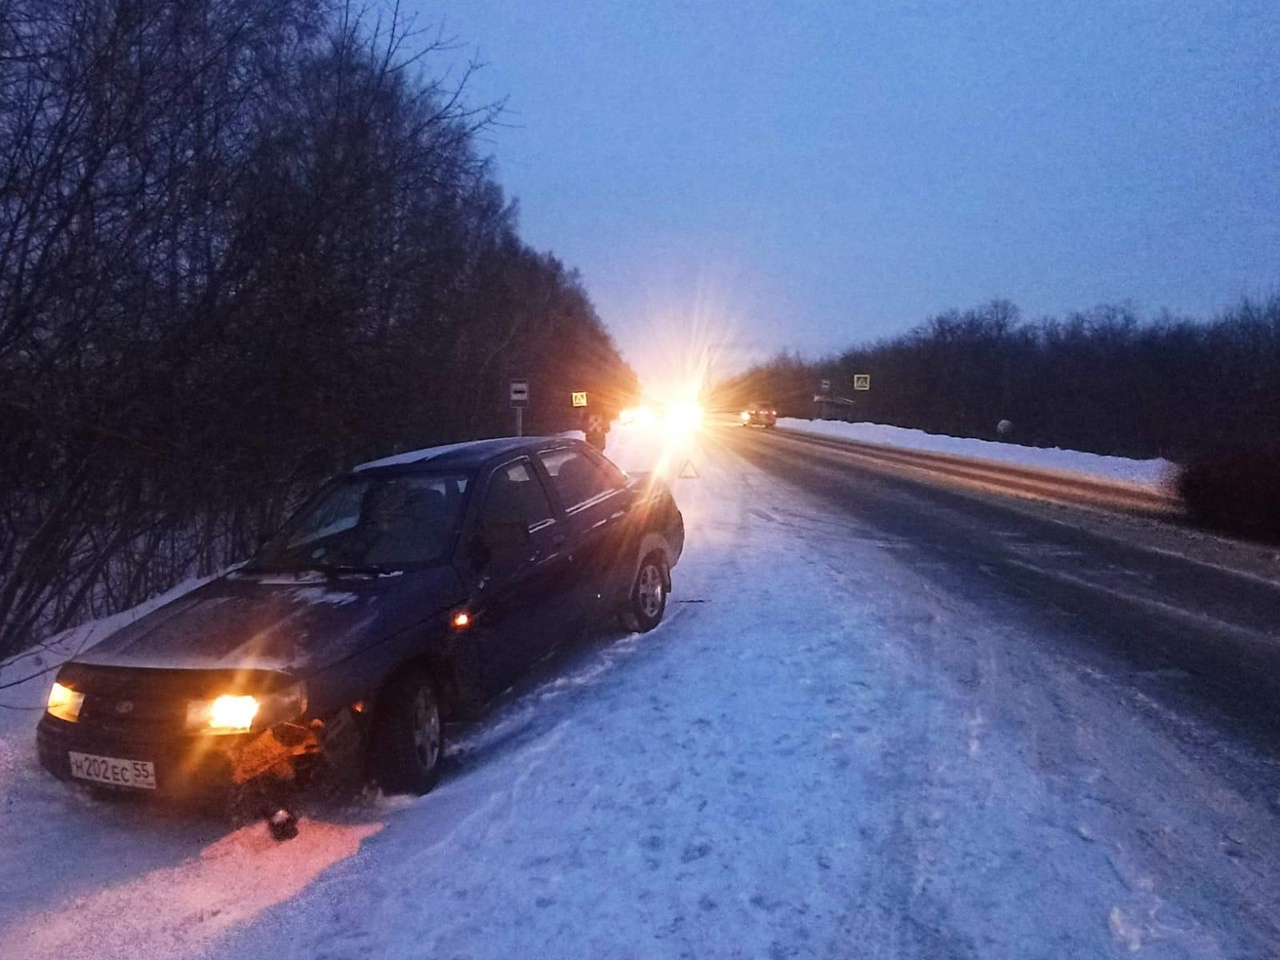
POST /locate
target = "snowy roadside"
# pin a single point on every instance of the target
(1156, 473)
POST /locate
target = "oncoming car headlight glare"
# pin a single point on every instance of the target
(237, 713)
(64, 703)
(684, 416)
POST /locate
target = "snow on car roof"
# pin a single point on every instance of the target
(413, 456)
(480, 449)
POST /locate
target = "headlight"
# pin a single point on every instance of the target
(746, 415)
(224, 714)
(237, 713)
(65, 703)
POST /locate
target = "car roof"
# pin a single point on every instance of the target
(462, 456)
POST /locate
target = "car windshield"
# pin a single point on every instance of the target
(371, 523)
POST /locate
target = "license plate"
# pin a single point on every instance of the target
(139, 774)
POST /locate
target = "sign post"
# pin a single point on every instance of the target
(862, 381)
(824, 386)
(579, 398)
(519, 400)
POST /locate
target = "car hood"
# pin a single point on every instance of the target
(287, 622)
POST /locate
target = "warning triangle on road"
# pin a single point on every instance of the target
(689, 471)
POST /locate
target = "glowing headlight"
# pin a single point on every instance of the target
(745, 415)
(233, 713)
(224, 714)
(238, 713)
(65, 703)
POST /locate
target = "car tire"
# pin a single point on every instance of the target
(647, 601)
(408, 741)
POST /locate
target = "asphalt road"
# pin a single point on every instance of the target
(1200, 641)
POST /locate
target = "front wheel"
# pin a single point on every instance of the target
(408, 736)
(648, 598)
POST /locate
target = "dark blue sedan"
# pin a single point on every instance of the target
(400, 596)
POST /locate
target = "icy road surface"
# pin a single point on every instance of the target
(821, 753)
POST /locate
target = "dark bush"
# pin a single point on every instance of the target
(1236, 490)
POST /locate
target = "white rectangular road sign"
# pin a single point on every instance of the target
(519, 393)
(862, 381)
(579, 398)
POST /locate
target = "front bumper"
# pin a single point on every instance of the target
(141, 715)
(187, 768)
(206, 771)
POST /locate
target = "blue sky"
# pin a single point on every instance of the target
(815, 175)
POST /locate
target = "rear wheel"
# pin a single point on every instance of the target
(408, 736)
(648, 598)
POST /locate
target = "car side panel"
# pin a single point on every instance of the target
(521, 613)
(603, 543)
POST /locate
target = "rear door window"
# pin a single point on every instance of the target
(578, 480)
(516, 495)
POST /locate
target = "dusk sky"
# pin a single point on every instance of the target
(816, 175)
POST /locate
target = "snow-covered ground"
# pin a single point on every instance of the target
(1149, 473)
(818, 754)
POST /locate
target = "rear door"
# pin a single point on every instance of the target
(595, 500)
(523, 577)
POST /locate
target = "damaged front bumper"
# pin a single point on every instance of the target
(242, 773)
(206, 737)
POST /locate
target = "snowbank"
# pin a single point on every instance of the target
(1150, 473)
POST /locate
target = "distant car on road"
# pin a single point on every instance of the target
(401, 595)
(760, 414)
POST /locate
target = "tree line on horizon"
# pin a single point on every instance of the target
(244, 244)
(1103, 380)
